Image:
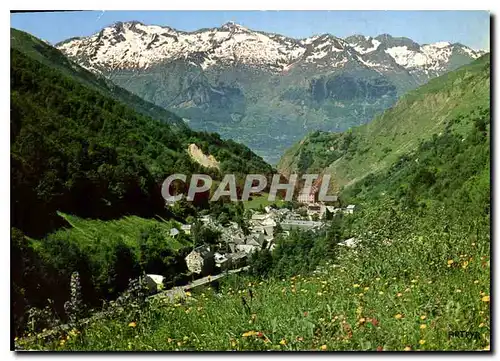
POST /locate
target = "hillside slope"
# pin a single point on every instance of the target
(373, 147)
(76, 148)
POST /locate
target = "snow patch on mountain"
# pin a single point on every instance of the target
(134, 45)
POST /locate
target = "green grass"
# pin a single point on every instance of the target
(409, 294)
(261, 200)
(87, 231)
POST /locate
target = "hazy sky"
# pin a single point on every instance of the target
(471, 28)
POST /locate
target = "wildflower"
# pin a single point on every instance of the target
(185, 338)
(481, 325)
(233, 343)
(485, 299)
(169, 340)
(429, 282)
(399, 294)
(450, 262)
(380, 292)
(356, 285)
(421, 342)
(423, 326)
(323, 348)
(465, 264)
(362, 321)
(458, 290)
(132, 324)
(414, 281)
(398, 316)
(179, 343)
(283, 342)
(423, 317)
(377, 279)
(62, 342)
(361, 294)
(476, 282)
(300, 339)
(249, 333)
(188, 294)
(320, 293)
(407, 348)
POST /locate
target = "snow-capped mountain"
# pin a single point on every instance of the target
(264, 90)
(135, 45)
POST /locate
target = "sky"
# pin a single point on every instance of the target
(471, 28)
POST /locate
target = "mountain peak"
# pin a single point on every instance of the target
(231, 25)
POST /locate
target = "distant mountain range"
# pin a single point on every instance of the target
(265, 90)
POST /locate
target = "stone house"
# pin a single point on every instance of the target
(201, 261)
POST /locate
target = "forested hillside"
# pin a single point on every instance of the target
(75, 150)
(416, 117)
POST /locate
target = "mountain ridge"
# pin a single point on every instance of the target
(264, 90)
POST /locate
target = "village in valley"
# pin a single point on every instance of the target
(235, 245)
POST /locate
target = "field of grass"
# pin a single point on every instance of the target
(261, 200)
(408, 294)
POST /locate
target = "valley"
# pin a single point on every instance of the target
(264, 90)
(101, 261)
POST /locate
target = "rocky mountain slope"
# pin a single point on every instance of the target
(449, 102)
(265, 90)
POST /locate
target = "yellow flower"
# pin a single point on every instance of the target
(185, 338)
(249, 333)
(380, 292)
(319, 293)
(407, 348)
(450, 261)
(283, 342)
(323, 347)
(481, 325)
(398, 316)
(476, 282)
(169, 340)
(356, 285)
(423, 326)
(188, 294)
(485, 299)
(465, 264)
(421, 342)
(132, 324)
(414, 281)
(423, 317)
(377, 279)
